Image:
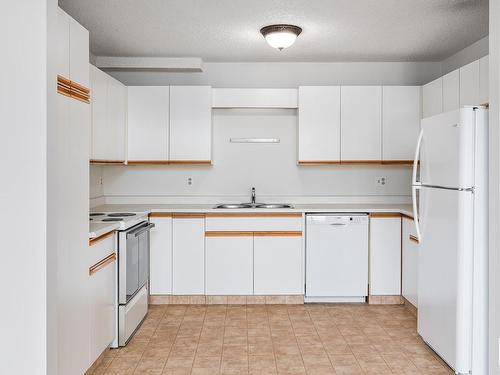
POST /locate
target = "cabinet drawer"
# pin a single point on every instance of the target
(290, 222)
(101, 247)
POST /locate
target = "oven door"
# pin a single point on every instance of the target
(133, 261)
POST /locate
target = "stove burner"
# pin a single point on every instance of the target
(123, 214)
(112, 219)
(96, 214)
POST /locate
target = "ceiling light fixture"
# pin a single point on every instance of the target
(280, 36)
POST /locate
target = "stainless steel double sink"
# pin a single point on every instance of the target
(253, 205)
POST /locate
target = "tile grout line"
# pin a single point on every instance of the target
(295, 336)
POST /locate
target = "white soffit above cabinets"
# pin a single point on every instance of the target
(168, 64)
(228, 30)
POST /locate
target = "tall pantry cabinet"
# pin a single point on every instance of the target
(72, 153)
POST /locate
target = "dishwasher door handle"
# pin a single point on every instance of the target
(338, 224)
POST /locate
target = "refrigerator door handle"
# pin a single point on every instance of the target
(415, 159)
(415, 212)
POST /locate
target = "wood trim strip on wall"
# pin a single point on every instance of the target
(188, 215)
(385, 214)
(407, 216)
(252, 214)
(228, 234)
(414, 238)
(278, 234)
(160, 214)
(102, 237)
(102, 263)
(397, 162)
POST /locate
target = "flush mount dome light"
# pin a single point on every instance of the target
(280, 36)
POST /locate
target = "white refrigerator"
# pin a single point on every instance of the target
(451, 214)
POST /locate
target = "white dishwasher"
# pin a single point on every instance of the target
(336, 257)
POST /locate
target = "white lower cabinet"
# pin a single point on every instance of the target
(410, 262)
(278, 265)
(385, 256)
(160, 267)
(101, 287)
(229, 265)
(188, 258)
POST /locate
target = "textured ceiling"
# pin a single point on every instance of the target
(333, 30)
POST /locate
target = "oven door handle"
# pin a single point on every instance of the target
(143, 229)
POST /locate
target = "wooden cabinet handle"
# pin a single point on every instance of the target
(414, 238)
(102, 263)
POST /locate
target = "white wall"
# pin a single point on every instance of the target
(271, 168)
(272, 74)
(465, 56)
(26, 325)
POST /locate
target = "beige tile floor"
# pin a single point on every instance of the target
(275, 339)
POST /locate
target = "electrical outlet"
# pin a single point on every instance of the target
(100, 180)
(381, 181)
(190, 181)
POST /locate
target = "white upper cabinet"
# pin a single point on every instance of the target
(116, 115)
(451, 91)
(361, 123)
(148, 110)
(432, 98)
(190, 123)
(109, 111)
(79, 53)
(319, 123)
(484, 95)
(401, 121)
(63, 43)
(469, 84)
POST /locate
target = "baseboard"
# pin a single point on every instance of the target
(410, 307)
(226, 300)
(385, 300)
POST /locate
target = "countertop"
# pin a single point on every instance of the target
(98, 229)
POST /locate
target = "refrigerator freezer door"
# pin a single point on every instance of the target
(447, 149)
(445, 267)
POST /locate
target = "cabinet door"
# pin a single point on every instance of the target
(484, 76)
(102, 309)
(385, 256)
(229, 265)
(190, 122)
(100, 133)
(160, 278)
(451, 91)
(469, 84)
(361, 123)
(188, 260)
(78, 53)
(278, 265)
(148, 109)
(116, 114)
(62, 43)
(319, 123)
(401, 122)
(432, 98)
(410, 262)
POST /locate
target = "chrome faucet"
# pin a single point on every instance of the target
(253, 195)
